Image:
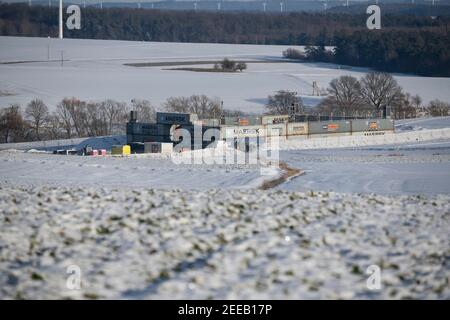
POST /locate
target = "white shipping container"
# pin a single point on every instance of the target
(158, 147)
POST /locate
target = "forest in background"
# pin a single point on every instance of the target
(406, 43)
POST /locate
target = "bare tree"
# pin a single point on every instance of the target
(73, 116)
(416, 101)
(12, 124)
(116, 112)
(202, 105)
(37, 114)
(403, 107)
(284, 102)
(380, 90)
(344, 97)
(54, 127)
(145, 111)
(438, 108)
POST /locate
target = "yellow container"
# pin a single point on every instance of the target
(121, 150)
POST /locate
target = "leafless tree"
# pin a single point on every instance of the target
(12, 124)
(380, 90)
(438, 108)
(284, 102)
(37, 114)
(416, 101)
(202, 105)
(403, 107)
(344, 97)
(73, 116)
(116, 112)
(145, 110)
(54, 127)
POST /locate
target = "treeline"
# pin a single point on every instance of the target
(74, 118)
(420, 52)
(375, 95)
(296, 28)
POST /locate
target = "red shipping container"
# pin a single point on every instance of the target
(102, 152)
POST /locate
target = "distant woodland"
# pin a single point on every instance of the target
(406, 43)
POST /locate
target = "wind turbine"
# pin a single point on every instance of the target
(264, 6)
(218, 6)
(281, 6)
(195, 6)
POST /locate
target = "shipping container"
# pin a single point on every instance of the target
(158, 147)
(242, 132)
(276, 129)
(372, 125)
(242, 121)
(148, 138)
(136, 147)
(208, 122)
(175, 118)
(274, 119)
(151, 129)
(121, 150)
(327, 127)
(297, 128)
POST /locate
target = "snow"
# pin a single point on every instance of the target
(422, 123)
(220, 244)
(95, 70)
(30, 169)
(150, 227)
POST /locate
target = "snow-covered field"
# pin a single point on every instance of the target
(144, 227)
(220, 244)
(95, 70)
(147, 227)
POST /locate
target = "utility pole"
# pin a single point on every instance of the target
(61, 19)
(48, 49)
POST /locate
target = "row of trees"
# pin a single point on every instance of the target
(407, 43)
(76, 118)
(372, 95)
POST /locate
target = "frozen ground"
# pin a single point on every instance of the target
(31, 169)
(221, 244)
(95, 70)
(409, 168)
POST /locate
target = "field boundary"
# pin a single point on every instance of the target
(362, 140)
